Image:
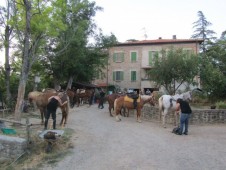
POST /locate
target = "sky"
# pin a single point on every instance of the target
(133, 19)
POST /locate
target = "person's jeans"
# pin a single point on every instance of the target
(47, 115)
(184, 118)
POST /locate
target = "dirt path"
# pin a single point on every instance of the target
(101, 143)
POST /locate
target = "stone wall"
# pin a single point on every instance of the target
(198, 116)
(11, 147)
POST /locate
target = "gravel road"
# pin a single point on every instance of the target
(101, 143)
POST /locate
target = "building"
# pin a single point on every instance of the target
(130, 61)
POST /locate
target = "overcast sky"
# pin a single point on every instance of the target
(133, 19)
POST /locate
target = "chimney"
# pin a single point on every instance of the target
(174, 37)
(160, 38)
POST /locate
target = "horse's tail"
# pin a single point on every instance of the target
(161, 107)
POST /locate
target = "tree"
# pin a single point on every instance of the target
(174, 68)
(214, 71)
(34, 20)
(202, 31)
(6, 14)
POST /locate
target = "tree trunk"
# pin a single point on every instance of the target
(26, 62)
(7, 66)
(69, 84)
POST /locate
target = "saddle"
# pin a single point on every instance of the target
(131, 97)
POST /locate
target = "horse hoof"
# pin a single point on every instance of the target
(139, 121)
(118, 119)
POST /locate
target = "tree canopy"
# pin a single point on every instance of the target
(173, 68)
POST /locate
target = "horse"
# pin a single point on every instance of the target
(72, 97)
(41, 101)
(168, 102)
(128, 103)
(82, 94)
(111, 98)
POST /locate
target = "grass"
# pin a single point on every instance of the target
(36, 155)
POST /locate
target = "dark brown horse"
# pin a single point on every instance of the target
(84, 95)
(127, 103)
(111, 98)
(72, 97)
(41, 101)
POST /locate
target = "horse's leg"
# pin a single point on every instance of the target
(109, 108)
(127, 113)
(117, 111)
(42, 115)
(138, 115)
(164, 118)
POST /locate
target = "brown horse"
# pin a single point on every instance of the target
(127, 103)
(41, 101)
(83, 94)
(111, 98)
(72, 97)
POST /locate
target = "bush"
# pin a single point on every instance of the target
(221, 105)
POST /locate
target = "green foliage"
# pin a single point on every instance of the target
(214, 69)
(173, 68)
(202, 31)
(221, 105)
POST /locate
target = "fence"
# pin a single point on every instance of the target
(198, 116)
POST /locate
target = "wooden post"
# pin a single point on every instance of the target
(28, 131)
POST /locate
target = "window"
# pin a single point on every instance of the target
(118, 57)
(188, 51)
(152, 56)
(133, 56)
(117, 75)
(133, 75)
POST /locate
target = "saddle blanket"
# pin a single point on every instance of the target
(128, 99)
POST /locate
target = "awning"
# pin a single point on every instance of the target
(102, 85)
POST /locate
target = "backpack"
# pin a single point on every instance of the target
(176, 130)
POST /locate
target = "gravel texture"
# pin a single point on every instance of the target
(101, 143)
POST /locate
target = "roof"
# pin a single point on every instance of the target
(88, 85)
(159, 41)
(102, 85)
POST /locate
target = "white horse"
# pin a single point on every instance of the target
(168, 103)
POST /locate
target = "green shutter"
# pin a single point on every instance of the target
(150, 57)
(122, 75)
(133, 56)
(133, 75)
(114, 57)
(114, 76)
(122, 54)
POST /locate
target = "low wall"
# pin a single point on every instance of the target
(198, 116)
(11, 147)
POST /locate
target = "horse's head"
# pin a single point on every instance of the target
(187, 96)
(148, 99)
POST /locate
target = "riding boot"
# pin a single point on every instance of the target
(46, 123)
(54, 124)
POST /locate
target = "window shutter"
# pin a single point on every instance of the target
(114, 76)
(122, 55)
(150, 58)
(133, 56)
(122, 75)
(135, 75)
(114, 57)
